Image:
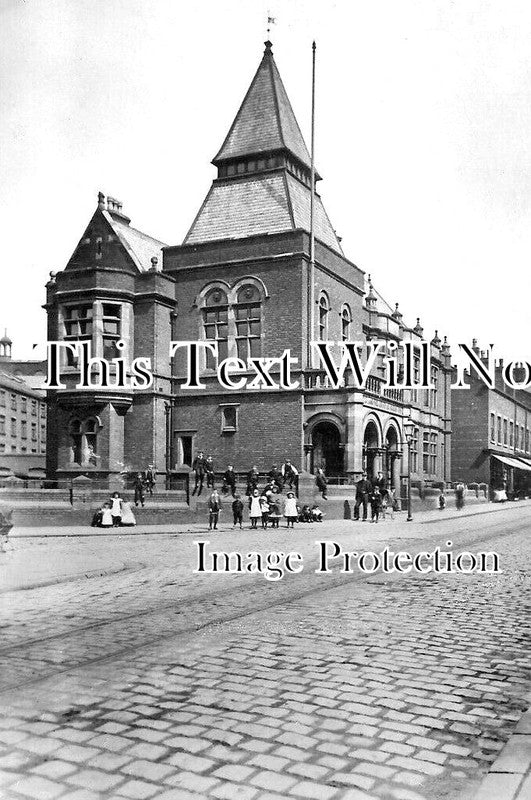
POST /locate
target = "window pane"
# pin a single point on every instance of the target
(110, 350)
(241, 345)
(222, 349)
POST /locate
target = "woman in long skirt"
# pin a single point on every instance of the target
(128, 518)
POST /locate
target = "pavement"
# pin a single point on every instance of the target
(23, 567)
(149, 681)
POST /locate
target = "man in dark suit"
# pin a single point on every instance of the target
(363, 490)
(380, 483)
(252, 481)
(276, 475)
(199, 467)
(209, 470)
(229, 480)
(139, 489)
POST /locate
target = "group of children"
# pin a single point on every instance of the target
(264, 508)
(115, 513)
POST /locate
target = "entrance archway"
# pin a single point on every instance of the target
(327, 451)
(371, 450)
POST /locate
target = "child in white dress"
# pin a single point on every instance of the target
(116, 509)
(106, 516)
(128, 518)
(290, 510)
(255, 509)
(264, 506)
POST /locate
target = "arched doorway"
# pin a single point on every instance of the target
(371, 450)
(327, 451)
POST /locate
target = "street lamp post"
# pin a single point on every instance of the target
(409, 428)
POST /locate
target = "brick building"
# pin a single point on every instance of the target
(112, 289)
(243, 278)
(22, 416)
(491, 440)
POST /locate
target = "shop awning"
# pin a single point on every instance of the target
(513, 462)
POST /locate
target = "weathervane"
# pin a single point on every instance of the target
(270, 21)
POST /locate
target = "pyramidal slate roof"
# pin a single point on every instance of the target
(140, 246)
(267, 200)
(260, 204)
(265, 120)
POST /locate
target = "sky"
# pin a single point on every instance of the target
(423, 116)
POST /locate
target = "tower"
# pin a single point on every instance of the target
(242, 281)
(5, 347)
(112, 291)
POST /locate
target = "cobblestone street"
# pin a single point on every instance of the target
(152, 682)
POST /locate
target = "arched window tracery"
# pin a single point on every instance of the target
(233, 317)
(248, 313)
(346, 323)
(324, 309)
(215, 323)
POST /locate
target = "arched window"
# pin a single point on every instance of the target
(232, 317)
(76, 441)
(215, 324)
(248, 322)
(324, 308)
(91, 437)
(346, 321)
(84, 440)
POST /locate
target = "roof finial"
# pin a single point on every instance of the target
(436, 341)
(270, 21)
(370, 298)
(397, 314)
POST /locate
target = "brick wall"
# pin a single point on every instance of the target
(269, 428)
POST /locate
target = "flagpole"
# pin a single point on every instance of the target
(311, 268)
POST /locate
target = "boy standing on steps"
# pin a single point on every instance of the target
(214, 507)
